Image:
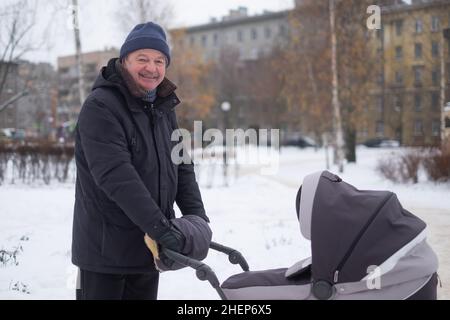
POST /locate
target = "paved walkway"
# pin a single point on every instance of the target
(438, 222)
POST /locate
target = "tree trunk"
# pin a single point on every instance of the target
(78, 54)
(337, 122)
(442, 95)
(13, 99)
(350, 145)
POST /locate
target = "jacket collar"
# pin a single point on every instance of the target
(166, 88)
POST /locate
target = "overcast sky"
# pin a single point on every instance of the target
(99, 28)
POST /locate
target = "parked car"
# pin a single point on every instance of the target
(13, 134)
(3, 136)
(300, 141)
(382, 143)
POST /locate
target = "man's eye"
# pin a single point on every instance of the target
(142, 60)
(159, 62)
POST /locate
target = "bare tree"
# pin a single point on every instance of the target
(226, 77)
(337, 122)
(190, 73)
(305, 68)
(132, 12)
(78, 53)
(445, 36)
(18, 19)
(356, 67)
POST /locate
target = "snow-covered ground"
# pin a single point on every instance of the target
(255, 214)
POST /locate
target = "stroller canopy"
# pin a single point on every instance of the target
(353, 231)
(364, 245)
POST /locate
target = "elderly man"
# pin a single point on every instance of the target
(126, 182)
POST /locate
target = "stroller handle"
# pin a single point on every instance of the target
(202, 270)
(234, 256)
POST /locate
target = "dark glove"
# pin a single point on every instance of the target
(173, 239)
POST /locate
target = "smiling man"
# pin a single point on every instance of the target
(126, 182)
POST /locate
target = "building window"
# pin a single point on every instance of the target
(435, 24)
(240, 36)
(418, 75)
(448, 71)
(418, 50)
(435, 128)
(364, 132)
(435, 101)
(380, 33)
(419, 26)
(215, 39)
(380, 78)
(398, 53)
(204, 40)
(379, 104)
(435, 49)
(398, 103)
(267, 32)
(418, 128)
(379, 129)
(254, 54)
(192, 41)
(398, 27)
(435, 77)
(282, 30)
(254, 34)
(398, 77)
(417, 102)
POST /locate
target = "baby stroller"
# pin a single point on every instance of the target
(364, 245)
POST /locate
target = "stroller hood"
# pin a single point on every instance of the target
(364, 245)
(353, 231)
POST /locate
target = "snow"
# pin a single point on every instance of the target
(255, 214)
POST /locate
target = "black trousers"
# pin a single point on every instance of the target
(102, 286)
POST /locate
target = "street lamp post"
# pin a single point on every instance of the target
(226, 106)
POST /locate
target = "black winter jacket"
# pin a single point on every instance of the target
(126, 182)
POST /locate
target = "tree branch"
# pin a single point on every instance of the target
(13, 99)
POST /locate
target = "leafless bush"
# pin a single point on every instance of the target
(437, 163)
(388, 168)
(5, 155)
(405, 167)
(35, 161)
(401, 168)
(10, 257)
(409, 166)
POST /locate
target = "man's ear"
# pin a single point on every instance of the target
(123, 60)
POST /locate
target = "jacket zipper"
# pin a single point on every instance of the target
(153, 125)
(358, 237)
(134, 139)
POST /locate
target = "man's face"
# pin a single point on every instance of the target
(147, 67)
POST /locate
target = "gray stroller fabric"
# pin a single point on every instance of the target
(364, 245)
(266, 285)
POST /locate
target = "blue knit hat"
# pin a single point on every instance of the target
(146, 36)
